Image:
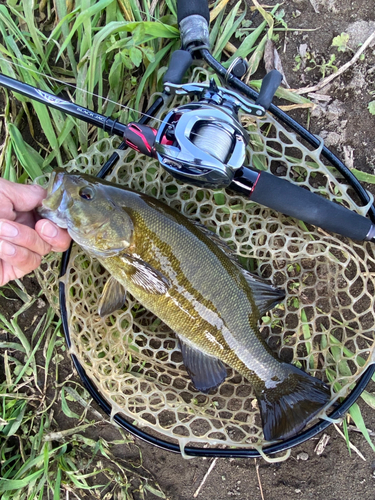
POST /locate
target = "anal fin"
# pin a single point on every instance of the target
(206, 372)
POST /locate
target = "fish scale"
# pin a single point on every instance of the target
(191, 282)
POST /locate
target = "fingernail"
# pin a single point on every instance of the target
(7, 249)
(48, 230)
(8, 230)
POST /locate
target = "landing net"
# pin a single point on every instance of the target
(325, 325)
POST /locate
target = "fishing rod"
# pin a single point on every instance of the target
(203, 143)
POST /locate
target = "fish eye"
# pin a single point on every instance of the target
(86, 193)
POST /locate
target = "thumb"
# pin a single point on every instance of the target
(19, 198)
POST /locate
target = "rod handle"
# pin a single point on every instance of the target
(290, 199)
(186, 8)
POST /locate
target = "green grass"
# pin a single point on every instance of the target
(37, 458)
(106, 55)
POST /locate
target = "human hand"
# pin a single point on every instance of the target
(23, 238)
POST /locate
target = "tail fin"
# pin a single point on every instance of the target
(288, 406)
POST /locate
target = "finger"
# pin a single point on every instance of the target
(58, 238)
(19, 257)
(26, 218)
(9, 272)
(23, 236)
(19, 197)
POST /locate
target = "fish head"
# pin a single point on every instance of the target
(82, 204)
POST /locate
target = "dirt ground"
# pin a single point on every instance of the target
(347, 127)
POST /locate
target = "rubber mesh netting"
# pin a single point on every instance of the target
(325, 324)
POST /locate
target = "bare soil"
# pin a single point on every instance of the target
(347, 126)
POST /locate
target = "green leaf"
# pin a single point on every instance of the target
(257, 55)
(356, 415)
(172, 7)
(158, 57)
(341, 42)
(17, 484)
(135, 56)
(37, 36)
(247, 45)
(363, 176)
(230, 26)
(149, 53)
(346, 434)
(369, 399)
(154, 491)
(371, 107)
(83, 16)
(65, 408)
(219, 198)
(116, 71)
(155, 29)
(56, 492)
(30, 160)
(15, 420)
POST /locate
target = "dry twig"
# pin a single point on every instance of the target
(213, 463)
(258, 476)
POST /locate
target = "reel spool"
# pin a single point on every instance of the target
(214, 140)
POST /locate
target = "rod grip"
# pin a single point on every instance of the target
(293, 200)
(186, 8)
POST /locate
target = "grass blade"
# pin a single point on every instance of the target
(356, 415)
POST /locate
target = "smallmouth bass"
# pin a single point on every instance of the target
(184, 276)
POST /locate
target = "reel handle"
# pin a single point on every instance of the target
(290, 199)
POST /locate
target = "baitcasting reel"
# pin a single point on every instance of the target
(203, 142)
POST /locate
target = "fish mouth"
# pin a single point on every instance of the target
(54, 206)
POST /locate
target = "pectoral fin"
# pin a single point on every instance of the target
(266, 296)
(144, 275)
(206, 372)
(113, 297)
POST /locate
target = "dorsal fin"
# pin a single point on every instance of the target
(266, 296)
